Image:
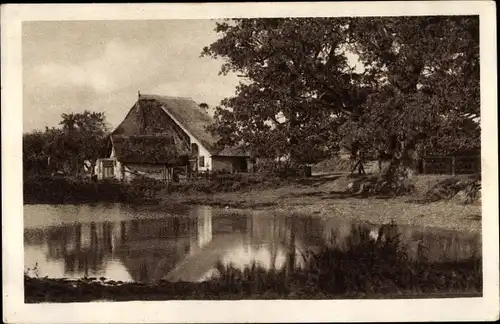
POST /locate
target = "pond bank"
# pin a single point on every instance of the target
(65, 291)
(323, 196)
(327, 203)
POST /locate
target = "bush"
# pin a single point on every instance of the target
(381, 186)
(190, 186)
(467, 190)
(219, 182)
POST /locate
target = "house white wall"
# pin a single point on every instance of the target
(117, 167)
(202, 151)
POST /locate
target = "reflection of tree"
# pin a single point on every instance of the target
(419, 243)
(273, 245)
(33, 236)
(291, 250)
(143, 245)
(275, 234)
(88, 259)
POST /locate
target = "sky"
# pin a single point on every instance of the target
(101, 65)
(72, 66)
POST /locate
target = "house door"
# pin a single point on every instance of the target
(108, 169)
(240, 164)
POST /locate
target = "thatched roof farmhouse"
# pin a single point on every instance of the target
(161, 133)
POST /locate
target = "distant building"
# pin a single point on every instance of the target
(161, 133)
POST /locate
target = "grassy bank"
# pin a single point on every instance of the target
(326, 196)
(366, 269)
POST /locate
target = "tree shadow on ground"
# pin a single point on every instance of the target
(318, 180)
(420, 201)
(326, 195)
(344, 195)
(305, 194)
(363, 195)
(474, 217)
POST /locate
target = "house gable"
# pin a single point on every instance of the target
(203, 151)
(187, 113)
(146, 117)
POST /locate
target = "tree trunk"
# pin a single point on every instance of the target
(92, 168)
(393, 169)
(400, 162)
(74, 166)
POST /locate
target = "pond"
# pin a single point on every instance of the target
(139, 244)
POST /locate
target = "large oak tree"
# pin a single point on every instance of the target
(288, 68)
(424, 76)
(299, 97)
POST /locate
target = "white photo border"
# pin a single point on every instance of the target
(455, 309)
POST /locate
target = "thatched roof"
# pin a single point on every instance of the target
(190, 116)
(151, 115)
(232, 151)
(150, 149)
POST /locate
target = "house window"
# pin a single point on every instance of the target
(202, 161)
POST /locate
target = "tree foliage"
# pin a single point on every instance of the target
(300, 98)
(81, 137)
(289, 67)
(424, 75)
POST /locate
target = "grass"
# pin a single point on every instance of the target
(325, 196)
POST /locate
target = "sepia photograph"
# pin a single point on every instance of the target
(253, 158)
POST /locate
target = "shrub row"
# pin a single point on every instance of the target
(60, 190)
(225, 182)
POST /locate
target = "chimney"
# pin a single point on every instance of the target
(138, 93)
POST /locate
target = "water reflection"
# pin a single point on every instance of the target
(187, 245)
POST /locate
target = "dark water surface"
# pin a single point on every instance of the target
(140, 245)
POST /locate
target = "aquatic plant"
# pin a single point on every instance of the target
(368, 267)
(33, 272)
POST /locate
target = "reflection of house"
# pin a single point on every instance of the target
(152, 248)
(159, 133)
(204, 230)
